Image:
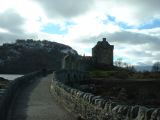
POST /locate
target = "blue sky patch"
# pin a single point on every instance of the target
(111, 18)
(153, 24)
(53, 29)
(87, 51)
(70, 23)
(121, 24)
(125, 26)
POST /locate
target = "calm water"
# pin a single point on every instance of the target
(10, 76)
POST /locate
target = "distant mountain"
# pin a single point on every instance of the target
(143, 68)
(25, 56)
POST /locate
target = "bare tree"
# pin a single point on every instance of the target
(156, 67)
(118, 62)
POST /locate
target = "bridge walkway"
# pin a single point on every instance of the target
(36, 103)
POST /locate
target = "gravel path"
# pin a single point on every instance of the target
(36, 103)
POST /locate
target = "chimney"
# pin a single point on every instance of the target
(104, 39)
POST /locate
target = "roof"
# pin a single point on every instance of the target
(103, 44)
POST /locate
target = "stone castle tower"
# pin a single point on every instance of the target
(102, 55)
(103, 52)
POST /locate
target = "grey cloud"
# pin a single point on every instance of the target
(93, 39)
(11, 21)
(7, 38)
(152, 5)
(157, 57)
(10, 37)
(128, 39)
(65, 8)
(146, 9)
(125, 37)
(141, 11)
(140, 53)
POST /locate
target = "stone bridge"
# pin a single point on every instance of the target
(51, 97)
(29, 98)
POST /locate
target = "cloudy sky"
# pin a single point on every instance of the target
(133, 26)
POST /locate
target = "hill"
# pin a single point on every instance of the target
(25, 56)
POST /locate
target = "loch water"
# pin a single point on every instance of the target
(10, 76)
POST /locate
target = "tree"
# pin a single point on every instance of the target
(156, 67)
(131, 68)
(118, 62)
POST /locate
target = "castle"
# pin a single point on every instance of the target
(102, 55)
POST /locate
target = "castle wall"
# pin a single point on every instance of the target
(70, 62)
(78, 62)
(86, 63)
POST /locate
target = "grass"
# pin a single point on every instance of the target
(109, 74)
(123, 74)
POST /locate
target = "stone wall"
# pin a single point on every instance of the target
(9, 92)
(91, 107)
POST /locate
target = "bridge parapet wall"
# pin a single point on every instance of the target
(91, 107)
(10, 92)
